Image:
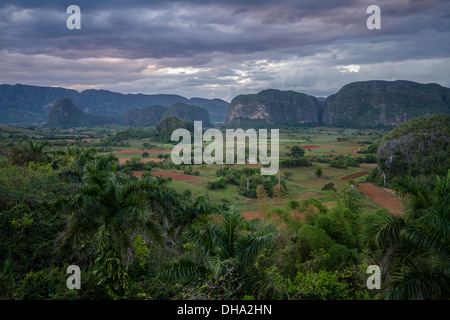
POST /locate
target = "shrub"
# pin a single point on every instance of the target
(45, 284)
(187, 170)
(296, 152)
(293, 163)
(329, 186)
(340, 257)
(320, 285)
(314, 238)
(341, 164)
(278, 215)
(340, 225)
(218, 183)
(352, 198)
(318, 172)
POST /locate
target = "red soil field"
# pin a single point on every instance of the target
(310, 147)
(141, 151)
(381, 197)
(355, 175)
(139, 174)
(174, 176)
(123, 160)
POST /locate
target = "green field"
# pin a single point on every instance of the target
(303, 226)
(326, 143)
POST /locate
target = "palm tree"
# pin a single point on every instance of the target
(36, 151)
(162, 199)
(229, 246)
(189, 210)
(105, 215)
(416, 245)
(72, 162)
(29, 151)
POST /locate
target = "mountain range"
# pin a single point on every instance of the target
(64, 113)
(274, 107)
(364, 104)
(384, 103)
(25, 104)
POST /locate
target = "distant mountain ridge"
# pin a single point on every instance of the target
(384, 103)
(274, 107)
(64, 114)
(365, 104)
(25, 104)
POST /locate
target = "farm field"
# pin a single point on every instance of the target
(319, 144)
(322, 203)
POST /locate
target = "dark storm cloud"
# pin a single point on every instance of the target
(159, 29)
(293, 43)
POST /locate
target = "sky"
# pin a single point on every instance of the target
(220, 49)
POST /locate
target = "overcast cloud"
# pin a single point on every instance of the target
(219, 49)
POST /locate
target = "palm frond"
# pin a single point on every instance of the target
(425, 283)
(387, 233)
(184, 270)
(255, 242)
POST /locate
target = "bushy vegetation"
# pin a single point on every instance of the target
(140, 238)
(419, 147)
(344, 162)
(295, 162)
(248, 180)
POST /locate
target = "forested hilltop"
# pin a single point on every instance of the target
(65, 114)
(366, 104)
(419, 147)
(384, 103)
(25, 104)
(274, 107)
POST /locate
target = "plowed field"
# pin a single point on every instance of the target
(381, 197)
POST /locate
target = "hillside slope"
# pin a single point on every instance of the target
(25, 104)
(420, 146)
(65, 114)
(384, 103)
(188, 112)
(273, 107)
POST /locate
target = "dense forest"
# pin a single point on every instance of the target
(139, 238)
